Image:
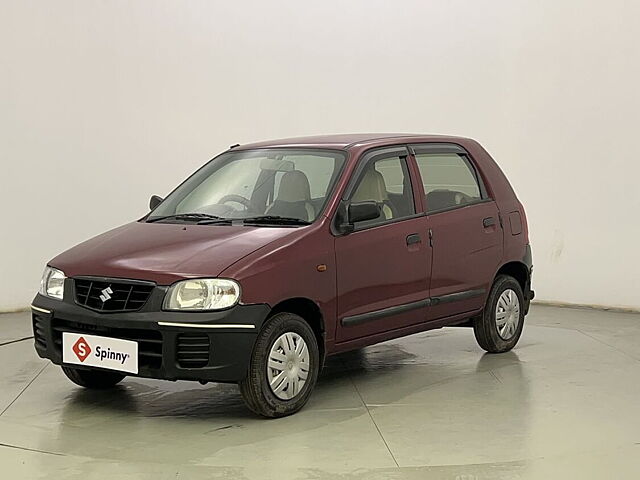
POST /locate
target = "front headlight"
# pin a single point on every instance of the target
(52, 283)
(202, 294)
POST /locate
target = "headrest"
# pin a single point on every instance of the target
(438, 199)
(294, 187)
(371, 188)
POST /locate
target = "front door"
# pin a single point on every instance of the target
(465, 228)
(384, 264)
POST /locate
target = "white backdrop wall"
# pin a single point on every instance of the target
(104, 103)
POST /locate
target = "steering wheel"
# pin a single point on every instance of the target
(237, 199)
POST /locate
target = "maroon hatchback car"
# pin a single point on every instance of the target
(277, 254)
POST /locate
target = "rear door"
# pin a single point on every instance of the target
(464, 226)
(383, 265)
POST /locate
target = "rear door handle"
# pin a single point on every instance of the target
(413, 238)
(487, 222)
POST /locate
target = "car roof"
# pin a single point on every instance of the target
(348, 140)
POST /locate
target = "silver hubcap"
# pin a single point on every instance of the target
(288, 366)
(507, 314)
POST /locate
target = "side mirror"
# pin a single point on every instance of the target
(362, 211)
(155, 201)
(348, 214)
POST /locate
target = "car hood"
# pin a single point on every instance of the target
(164, 253)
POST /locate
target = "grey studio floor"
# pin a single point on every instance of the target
(564, 404)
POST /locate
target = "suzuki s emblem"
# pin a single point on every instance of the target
(106, 294)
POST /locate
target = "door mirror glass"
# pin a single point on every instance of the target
(154, 202)
(363, 211)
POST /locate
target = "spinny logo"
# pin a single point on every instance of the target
(81, 348)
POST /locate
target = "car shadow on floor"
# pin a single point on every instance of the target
(210, 418)
(378, 364)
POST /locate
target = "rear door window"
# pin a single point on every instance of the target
(449, 180)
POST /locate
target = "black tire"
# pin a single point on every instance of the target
(484, 325)
(94, 379)
(255, 389)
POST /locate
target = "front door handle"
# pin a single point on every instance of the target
(413, 238)
(487, 222)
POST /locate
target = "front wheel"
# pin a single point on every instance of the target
(94, 379)
(499, 326)
(283, 368)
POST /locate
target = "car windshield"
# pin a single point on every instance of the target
(265, 186)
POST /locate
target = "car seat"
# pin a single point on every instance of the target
(373, 188)
(293, 199)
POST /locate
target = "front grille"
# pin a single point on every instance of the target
(112, 296)
(149, 341)
(39, 329)
(192, 350)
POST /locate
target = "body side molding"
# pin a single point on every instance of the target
(406, 307)
(456, 297)
(385, 312)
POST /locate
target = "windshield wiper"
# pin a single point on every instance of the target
(206, 219)
(187, 216)
(275, 220)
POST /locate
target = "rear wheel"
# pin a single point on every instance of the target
(283, 369)
(499, 326)
(95, 379)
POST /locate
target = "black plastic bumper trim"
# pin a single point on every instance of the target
(229, 350)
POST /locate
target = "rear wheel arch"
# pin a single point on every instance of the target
(517, 270)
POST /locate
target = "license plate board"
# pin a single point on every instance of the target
(102, 352)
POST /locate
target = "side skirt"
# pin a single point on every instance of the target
(451, 321)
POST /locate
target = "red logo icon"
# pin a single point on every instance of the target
(81, 348)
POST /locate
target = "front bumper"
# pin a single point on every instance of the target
(207, 346)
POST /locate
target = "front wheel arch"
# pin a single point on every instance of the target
(310, 312)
